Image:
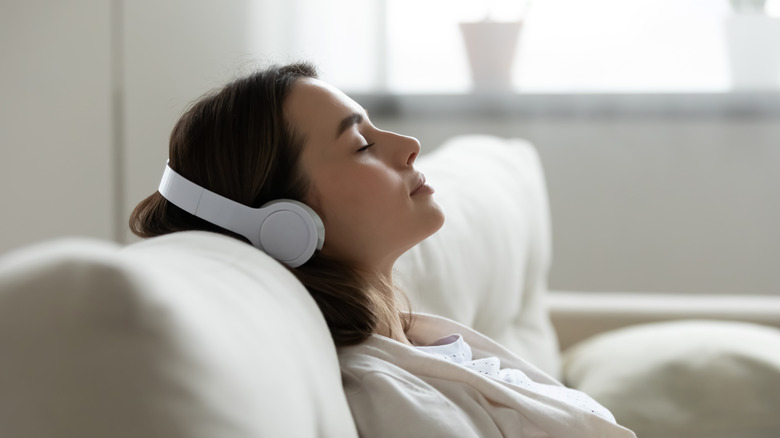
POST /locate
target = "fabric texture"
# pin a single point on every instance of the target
(695, 378)
(487, 267)
(396, 390)
(187, 335)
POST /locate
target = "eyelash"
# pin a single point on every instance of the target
(365, 148)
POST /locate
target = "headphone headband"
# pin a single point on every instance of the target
(287, 230)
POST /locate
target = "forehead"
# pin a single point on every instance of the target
(315, 108)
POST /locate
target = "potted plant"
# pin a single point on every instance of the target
(753, 46)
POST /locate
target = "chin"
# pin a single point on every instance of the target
(440, 216)
(434, 222)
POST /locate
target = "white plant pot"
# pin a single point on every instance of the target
(490, 47)
(753, 47)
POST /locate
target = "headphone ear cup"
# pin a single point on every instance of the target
(287, 230)
(291, 232)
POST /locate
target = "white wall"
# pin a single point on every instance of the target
(55, 120)
(652, 204)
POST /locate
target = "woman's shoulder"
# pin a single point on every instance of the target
(380, 354)
(382, 383)
(425, 329)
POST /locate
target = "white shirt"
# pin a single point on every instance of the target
(454, 348)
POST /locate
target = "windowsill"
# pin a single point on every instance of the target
(728, 104)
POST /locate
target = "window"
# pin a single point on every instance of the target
(415, 46)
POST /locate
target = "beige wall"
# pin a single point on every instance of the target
(90, 90)
(55, 120)
(171, 56)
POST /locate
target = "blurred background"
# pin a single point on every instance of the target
(656, 120)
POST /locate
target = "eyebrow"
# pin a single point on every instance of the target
(348, 122)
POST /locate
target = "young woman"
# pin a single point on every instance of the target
(283, 134)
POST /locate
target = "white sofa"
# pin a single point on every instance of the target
(200, 335)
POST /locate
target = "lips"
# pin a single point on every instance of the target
(420, 185)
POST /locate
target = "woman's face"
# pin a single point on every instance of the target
(374, 204)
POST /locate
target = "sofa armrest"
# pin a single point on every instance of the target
(580, 315)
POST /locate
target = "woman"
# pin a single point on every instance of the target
(283, 134)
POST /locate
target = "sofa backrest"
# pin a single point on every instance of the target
(187, 335)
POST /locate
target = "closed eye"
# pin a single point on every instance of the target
(365, 148)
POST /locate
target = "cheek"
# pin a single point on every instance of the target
(359, 201)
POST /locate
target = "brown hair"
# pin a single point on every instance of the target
(235, 142)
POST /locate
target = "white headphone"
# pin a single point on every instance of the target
(287, 230)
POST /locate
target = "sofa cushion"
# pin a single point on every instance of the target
(187, 335)
(690, 379)
(487, 267)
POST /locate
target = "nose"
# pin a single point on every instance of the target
(404, 150)
(411, 149)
